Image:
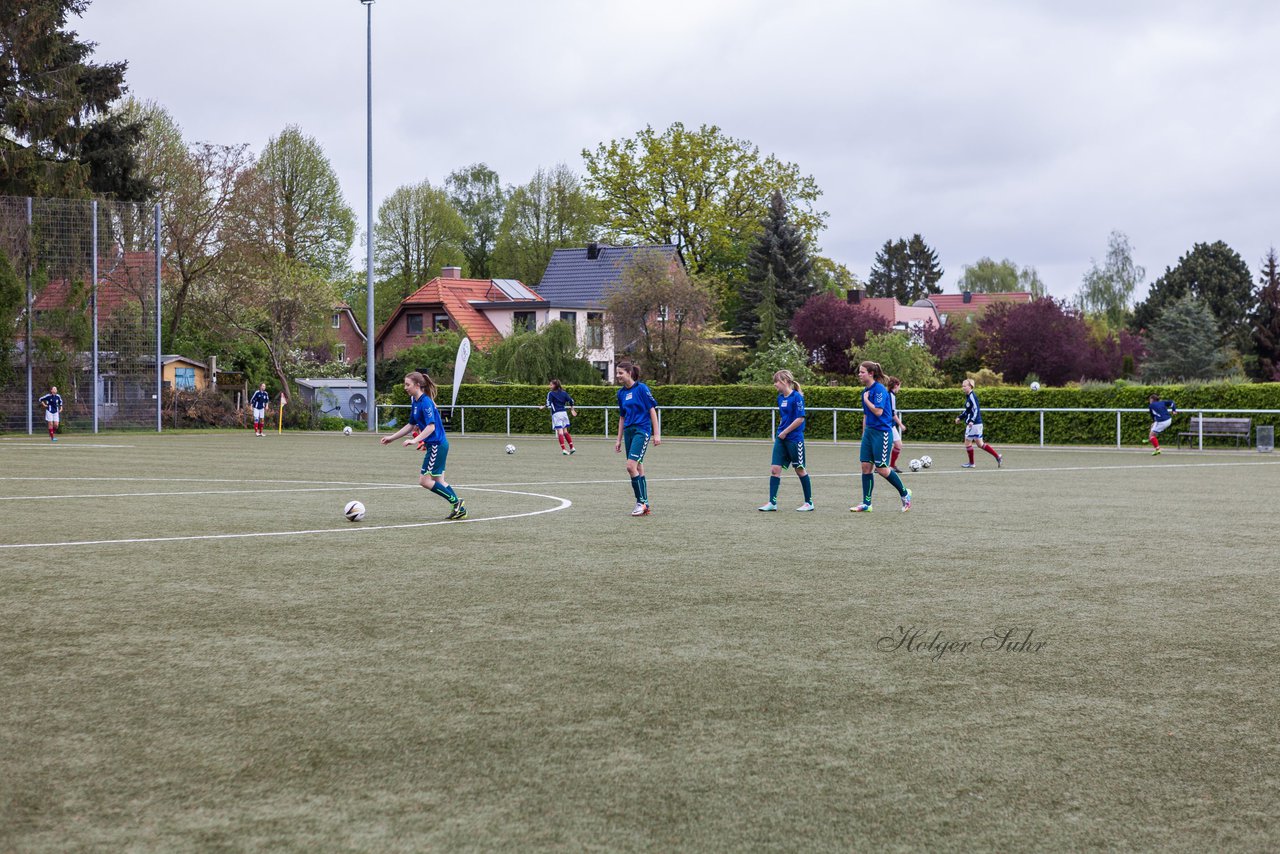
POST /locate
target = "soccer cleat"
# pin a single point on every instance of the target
(53, 438)
(968, 466)
(563, 451)
(864, 507)
(647, 510)
(906, 501)
(641, 509)
(999, 460)
(459, 512)
(572, 451)
(805, 507)
(767, 508)
(1156, 452)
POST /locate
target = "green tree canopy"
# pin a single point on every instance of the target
(986, 276)
(539, 357)
(1184, 343)
(1213, 273)
(478, 197)
(1265, 319)
(1106, 291)
(418, 231)
(900, 357)
(781, 354)
(906, 270)
(551, 212)
(779, 277)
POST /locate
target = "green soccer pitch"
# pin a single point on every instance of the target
(199, 653)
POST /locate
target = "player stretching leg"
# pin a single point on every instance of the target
(637, 423)
(972, 420)
(52, 403)
(1162, 412)
(260, 403)
(788, 444)
(877, 437)
(558, 400)
(430, 438)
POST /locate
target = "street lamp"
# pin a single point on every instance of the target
(369, 329)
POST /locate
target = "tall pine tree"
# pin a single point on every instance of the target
(779, 277)
(1213, 273)
(891, 270)
(923, 271)
(1265, 319)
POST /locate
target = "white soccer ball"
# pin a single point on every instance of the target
(926, 461)
(354, 511)
(916, 465)
(346, 431)
(511, 449)
(1035, 386)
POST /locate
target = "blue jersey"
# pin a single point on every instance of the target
(791, 407)
(53, 402)
(259, 400)
(878, 396)
(1160, 410)
(633, 407)
(972, 411)
(558, 400)
(424, 413)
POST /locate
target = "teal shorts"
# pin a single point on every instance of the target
(635, 442)
(433, 461)
(876, 446)
(787, 453)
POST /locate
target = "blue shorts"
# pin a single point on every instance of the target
(433, 461)
(787, 453)
(635, 442)
(876, 445)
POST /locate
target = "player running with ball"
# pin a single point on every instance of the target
(425, 416)
(877, 437)
(788, 444)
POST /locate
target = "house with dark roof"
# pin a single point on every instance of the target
(484, 310)
(964, 307)
(577, 283)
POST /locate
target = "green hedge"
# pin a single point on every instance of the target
(1061, 428)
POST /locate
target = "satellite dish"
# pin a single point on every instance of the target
(356, 403)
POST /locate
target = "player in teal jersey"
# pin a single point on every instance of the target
(877, 437)
(788, 442)
(424, 418)
(637, 425)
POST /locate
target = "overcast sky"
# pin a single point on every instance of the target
(1015, 129)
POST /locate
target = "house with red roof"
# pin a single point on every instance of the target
(129, 279)
(965, 306)
(905, 318)
(348, 331)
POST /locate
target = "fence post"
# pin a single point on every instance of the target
(835, 426)
(1117, 428)
(1200, 431)
(1042, 428)
(606, 422)
(773, 423)
(463, 414)
(508, 420)
(714, 431)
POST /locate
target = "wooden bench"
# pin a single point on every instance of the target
(1235, 428)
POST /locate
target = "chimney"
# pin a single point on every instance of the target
(451, 272)
(968, 297)
(593, 251)
(855, 295)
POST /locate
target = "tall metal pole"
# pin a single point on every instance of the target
(94, 302)
(30, 306)
(369, 328)
(159, 350)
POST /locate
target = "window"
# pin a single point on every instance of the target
(603, 368)
(439, 322)
(185, 378)
(337, 320)
(341, 352)
(524, 321)
(595, 331)
(109, 390)
(413, 324)
(662, 313)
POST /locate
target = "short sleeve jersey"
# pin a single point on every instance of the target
(260, 399)
(558, 400)
(972, 411)
(1160, 410)
(791, 407)
(424, 413)
(53, 401)
(878, 396)
(633, 407)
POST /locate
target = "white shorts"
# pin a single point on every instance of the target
(52, 417)
(259, 414)
(559, 420)
(1161, 426)
(897, 435)
(973, 431)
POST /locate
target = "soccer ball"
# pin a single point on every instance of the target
(354, 511)
(926, 461)
(1035, 386)
(346, 431)
(511, 449)
(916, 465)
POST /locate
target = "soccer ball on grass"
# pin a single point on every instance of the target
(354, 511)
(916, 465)
(511, 449)
(926, 461)
(346, 431)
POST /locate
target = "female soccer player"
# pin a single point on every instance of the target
(425, 416)
(637, 423)
(1162, 412)
(558, 400)
(260, 403)
(788, 444)
(972, 420)
(52, 403)
(877, 437)
(893, 384)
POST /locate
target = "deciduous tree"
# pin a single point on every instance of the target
(828, 326)
(1213, 273)
(538, 357)
(478, 197)
(900, 357)
(418, 231)
(553, 211)
(1106, 290)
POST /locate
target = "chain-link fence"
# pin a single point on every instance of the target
(79, 298)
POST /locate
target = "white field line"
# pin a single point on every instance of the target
(57, 446)
(563, 504)
(347, 488)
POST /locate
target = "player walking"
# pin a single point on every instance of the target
(637, 424)
(558, 400)
(877, 437)
(788, 443)
(260, 403)
(1162, 412)
(424, 415)
(52, 403)
(972, 420)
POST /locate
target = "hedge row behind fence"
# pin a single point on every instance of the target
(1060, 428)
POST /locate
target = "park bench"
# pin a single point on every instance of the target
(1235, 428)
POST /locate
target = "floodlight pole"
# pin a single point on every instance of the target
(369, 328)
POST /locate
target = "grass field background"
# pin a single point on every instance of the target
(556, 675)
